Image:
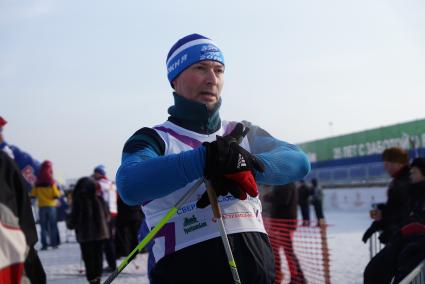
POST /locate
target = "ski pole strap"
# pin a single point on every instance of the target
(153, 232)
(212, 196)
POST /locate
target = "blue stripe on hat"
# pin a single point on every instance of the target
(189, 50)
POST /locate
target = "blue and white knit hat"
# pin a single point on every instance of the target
(189, 50)
(100, 169)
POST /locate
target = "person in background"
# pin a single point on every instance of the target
(129, 220)
(389, 215)
(283, 200)
(47, 193)
(317, 201)
(407, 248)
(89, 217)
(304, 196)
(108, 192)
(160, 163)
(28, 165)
(14, 196)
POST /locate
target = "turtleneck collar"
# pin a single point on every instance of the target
(194, 116)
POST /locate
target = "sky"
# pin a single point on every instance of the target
(78, 78)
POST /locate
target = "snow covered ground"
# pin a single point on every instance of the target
(63, 265)
(349, 255)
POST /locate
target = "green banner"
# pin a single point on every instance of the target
(374, 141)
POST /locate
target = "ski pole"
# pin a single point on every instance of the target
(153, 232)
(212, 196)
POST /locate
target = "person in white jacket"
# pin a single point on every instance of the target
(108, 191)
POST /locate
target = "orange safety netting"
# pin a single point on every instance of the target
(300, 250)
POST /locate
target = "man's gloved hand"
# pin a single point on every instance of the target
(374, 227)
(230, 167)
(413, 229)
(222, 186)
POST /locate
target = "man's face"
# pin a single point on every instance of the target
(416, 175)
(201, 82)
(392, 168)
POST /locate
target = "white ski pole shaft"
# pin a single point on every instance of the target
(212, 196)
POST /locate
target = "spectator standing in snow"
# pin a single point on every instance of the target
(47, 193)
(89, 217)
(388, 216)
(108, 192)
(129, 220)
(407, 247)
(159, 164)
(283, 200)
(304, 200)
(317, 201)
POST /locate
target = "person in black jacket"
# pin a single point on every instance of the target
(89, 217)
(407, 248)
(14, 194)
(129, 220)
(389, 215)
(304, 196)
(282, 201)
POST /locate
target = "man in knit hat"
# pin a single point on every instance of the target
(161, 163)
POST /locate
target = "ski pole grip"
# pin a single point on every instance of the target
(212, 196)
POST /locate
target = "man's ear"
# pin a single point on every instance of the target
(173, 84)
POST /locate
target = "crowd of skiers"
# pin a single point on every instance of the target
(400, 221)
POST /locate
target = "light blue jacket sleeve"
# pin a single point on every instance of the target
(144, 175)
(284, 162)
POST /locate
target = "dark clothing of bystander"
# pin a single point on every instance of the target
(283, 200)
(317, 201)
(91, 252)
(395, 211)
(14, 195)
(406, 249)
(89, 217)
(304, 196)
(129, 220)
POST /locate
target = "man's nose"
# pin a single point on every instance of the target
(211, 77)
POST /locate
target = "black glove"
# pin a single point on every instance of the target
(230, 167)
(222, 186)
(374, 227)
